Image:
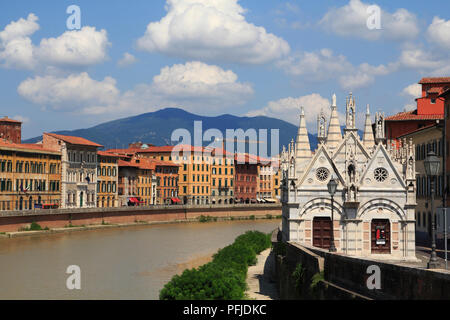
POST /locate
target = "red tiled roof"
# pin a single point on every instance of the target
(145, 163)
(108, 154)
(6, 119)
(74, 140)
(418, 130)
(123, 163)
(435, 80)
(412, 115)
(26, 147)
(164, 163)
(435, 90)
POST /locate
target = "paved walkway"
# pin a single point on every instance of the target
(260, 285)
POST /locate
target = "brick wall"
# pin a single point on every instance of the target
(11, 221)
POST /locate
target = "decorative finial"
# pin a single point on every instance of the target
(333, 104)
(368, 109)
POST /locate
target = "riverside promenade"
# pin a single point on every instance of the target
(13, 221)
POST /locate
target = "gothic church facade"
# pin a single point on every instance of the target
(375, 200)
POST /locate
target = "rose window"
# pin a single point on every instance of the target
(380, 174)
(322, 174)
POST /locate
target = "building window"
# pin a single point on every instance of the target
(380, 174)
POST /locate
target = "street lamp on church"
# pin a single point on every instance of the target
(332, 187)
(431, 164)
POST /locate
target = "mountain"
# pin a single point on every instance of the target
(156, 128)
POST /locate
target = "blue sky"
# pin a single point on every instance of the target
(213, 57)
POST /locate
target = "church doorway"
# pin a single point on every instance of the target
(381, 236)
(322, 232)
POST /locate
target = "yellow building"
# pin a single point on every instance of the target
(194, 174)
(107, 180)
(426, 139)
(276, 185)
(268, 181)
(222, 177)
(30, 177)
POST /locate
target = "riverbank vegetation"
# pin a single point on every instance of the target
(224, 278)
(33, 227)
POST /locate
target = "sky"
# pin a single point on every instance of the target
(212, 57)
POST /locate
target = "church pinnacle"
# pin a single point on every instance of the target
(302, 146)
(334, 136)
(368, 138)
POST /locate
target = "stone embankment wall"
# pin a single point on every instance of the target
(326, 275)
(11, 221)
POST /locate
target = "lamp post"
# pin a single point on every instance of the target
(431, 164)
(332, 186)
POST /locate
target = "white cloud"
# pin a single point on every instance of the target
(77, 48)
(439, 32)
(324, 65)
(16, 49)
(413, 91)
(416, 58)
(127, 60)
(288, 109)
(316, 65)
(211, 30)
(20, 28)
(195, 86)
(69, 94)
(351, 21)
(21, 118)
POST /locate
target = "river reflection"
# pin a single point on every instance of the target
(122, 263)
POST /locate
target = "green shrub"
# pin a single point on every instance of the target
(269, 216)
(252, 217)
(299, 277)
(224, 278)
(33, 227)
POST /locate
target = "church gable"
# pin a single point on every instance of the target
(381, 172)
(319, 171)
(352, 142)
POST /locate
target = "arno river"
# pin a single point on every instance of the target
(122, 263)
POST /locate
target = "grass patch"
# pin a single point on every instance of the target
(203, 218)
(224, 278)
(33, 227)
(299, 277)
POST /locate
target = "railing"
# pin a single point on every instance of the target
(140, 208)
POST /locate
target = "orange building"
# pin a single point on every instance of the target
(30, 177)
(222, 177)
(430, 109)
(194, 173)
(11, 130)
(107, 180)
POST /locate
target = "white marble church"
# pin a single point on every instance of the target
(375, 199)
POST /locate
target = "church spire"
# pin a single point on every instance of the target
(334, 136)
(368, 139)
(302, 146)
(350, 113)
